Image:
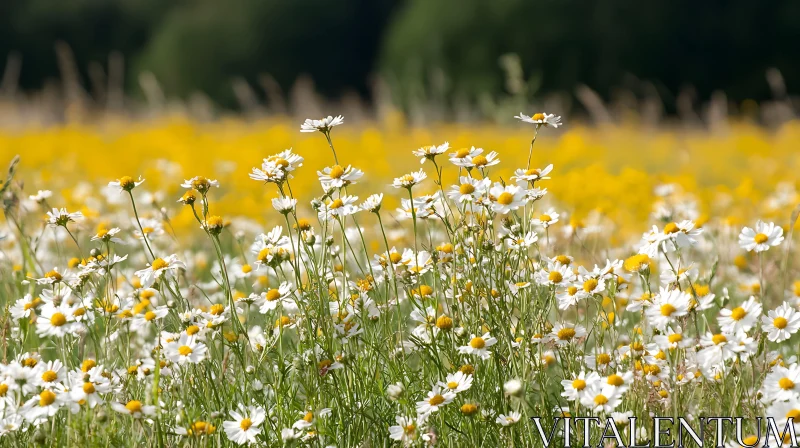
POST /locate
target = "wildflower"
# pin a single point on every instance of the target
(601, 398)
(108, 235)
(565, 333)
(200, 184)
(188, 198)
(508, 420)
(41, 196)
(743, 317)
(336, 176)
(394, 391)
(541, 119)
(430, 152)
(436, 399)
(532, 174)
(159, 268)
(125, 183)
(781, 323)
(246, 424)
(284, 205)
(341, 207)
(546, 219)
(185, 349)
(474, 158)
(23, 308)
(60, 217)
(512, 388)
(56, 320)
(134, 408)
(323, 125)
(479, 346)
(373, 203)
(275, 297)
(457, 382)
(762, 238)
(463, 157)
(506, 198)
(578, 387)
(214, 224)
(668, 306)
(782, 384)
(410, 179)
(406, 430)
(470, 189)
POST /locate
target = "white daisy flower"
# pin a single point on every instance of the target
(762, 238)
(565, 333)
(781, 323)
(186, 349)
(284, 205)
(506, 198)
(741, 318)
(532, 174)
(430, 152)
(667, 306)
(782, 384)
(575, 389)
(134, 408)
(457, 382)
(373, 203)
(410, 179)
(546, 219)
(508, 420)
(336, 176)
(158, 268)
(341, 207)
(125, 183)
(61, 217)
(246, 424)
(323, 125)
(479, 346)
(541, 119)
(200, 183)
(469, 189)
(601, 398)
(436, 399)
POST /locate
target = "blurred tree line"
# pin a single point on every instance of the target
(422, 48)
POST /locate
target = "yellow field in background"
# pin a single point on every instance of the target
(610, 169)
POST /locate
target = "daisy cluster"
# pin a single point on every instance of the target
(449, 314)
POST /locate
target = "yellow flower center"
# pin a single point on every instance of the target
(590, 285)
(336, 203)
(719, 339)
(49, 376)
(565, 334)
(466, 189)
(538, 117)
(185, 350)
(148, 316)
(452, 385)
(505, 198)
(671, 228)
(786, 383)
(246, 268)
(126, 182)
(46, 398)
(158, 263)
(555, 277)
(134, 406)
(282, 163)
(479, 160)
(58, 319)
(545, 218)
(780, 322)
(600, 400)
(477, 342)
(615, 380)
(794, 413)
(88, 388)
(738, 313)
(436, 400)
(217, 309)
(760, 238)
(603, 358)
(675, 337)
(245, 424)
(192, 329)
(336, 172)
(579, 384)
(273, 295)
(667, 310)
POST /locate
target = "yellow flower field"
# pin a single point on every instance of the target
(612, 170)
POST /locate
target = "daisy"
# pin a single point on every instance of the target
(323, 125)
(743, 317)
(336, 176)
(410, 179)
(134, 408)
(760, 239)
(601, 398)
(506, 198)
(430, 152)
(477, 161)
(577, 388)
(541, 119)
(185, 349)
(667, 306)
(108, 235)
(436, 398)
(781, 323)
(44, 405)
(457, 382)
(564, 333)
(269, 172)
(125, 183)
(508, 420)
(286, 160)
(245, 426)
(200, 184)
(284, 205)
(532, 175)
(782, 384)
(782, 411)
(555, 274)
(373, 203)
(61, 217)
(51, 374)
(406, 430)
(274, 297)
(479, 346)
(546, 219)
(464, 156)
(620, 381)
(344, 206)
(23, 308)
(158, 268)
(672, 338)
(55, 320)
(469, 189)
(41, 196)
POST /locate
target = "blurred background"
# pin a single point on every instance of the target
(429, 59)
